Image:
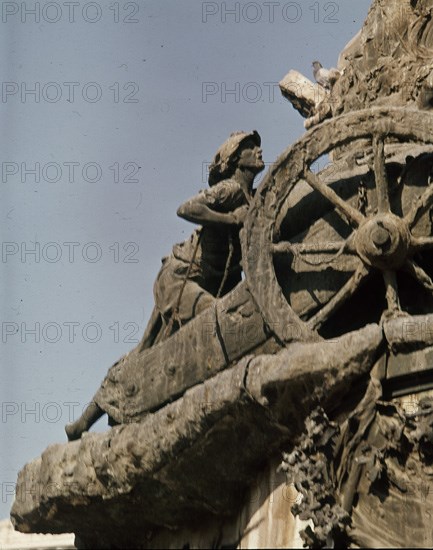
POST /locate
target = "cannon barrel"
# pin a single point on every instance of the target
(142, 382)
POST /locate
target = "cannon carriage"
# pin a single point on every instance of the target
(334, 315)
(346, 229)
(323, 254)
(315, 351)
(333, 318)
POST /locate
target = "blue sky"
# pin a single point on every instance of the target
(110, 114)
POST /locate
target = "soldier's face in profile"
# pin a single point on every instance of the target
(251, 157)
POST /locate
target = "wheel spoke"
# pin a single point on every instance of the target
(422, 204)
(301, 250)
(285, 247)
(392, 299)
(380, 174)
(353, 216)
(421, 243)
(342, 295)
(419, 274)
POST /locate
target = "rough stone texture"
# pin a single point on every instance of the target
(265, 370)
(302, 93)
(408, 333)
(391, 63)
(283, 194)
(145, 380)
(309, 467)
(165, 467)
(366, 481)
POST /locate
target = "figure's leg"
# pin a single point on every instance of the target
(179, 296)
(92, 413)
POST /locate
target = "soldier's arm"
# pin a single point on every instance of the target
(206, 208)
(199, 212)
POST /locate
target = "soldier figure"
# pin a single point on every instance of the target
(207, 265)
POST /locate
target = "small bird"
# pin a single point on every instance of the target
(321, 75)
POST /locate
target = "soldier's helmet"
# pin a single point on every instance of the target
(224, 160)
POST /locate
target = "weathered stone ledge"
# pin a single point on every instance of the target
(196, 457)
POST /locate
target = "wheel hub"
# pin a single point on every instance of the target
(383, 241)
(387, 246)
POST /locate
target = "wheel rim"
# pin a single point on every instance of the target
(382, 242)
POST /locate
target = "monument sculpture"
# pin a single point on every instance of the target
(203, 268)
(318, 363)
